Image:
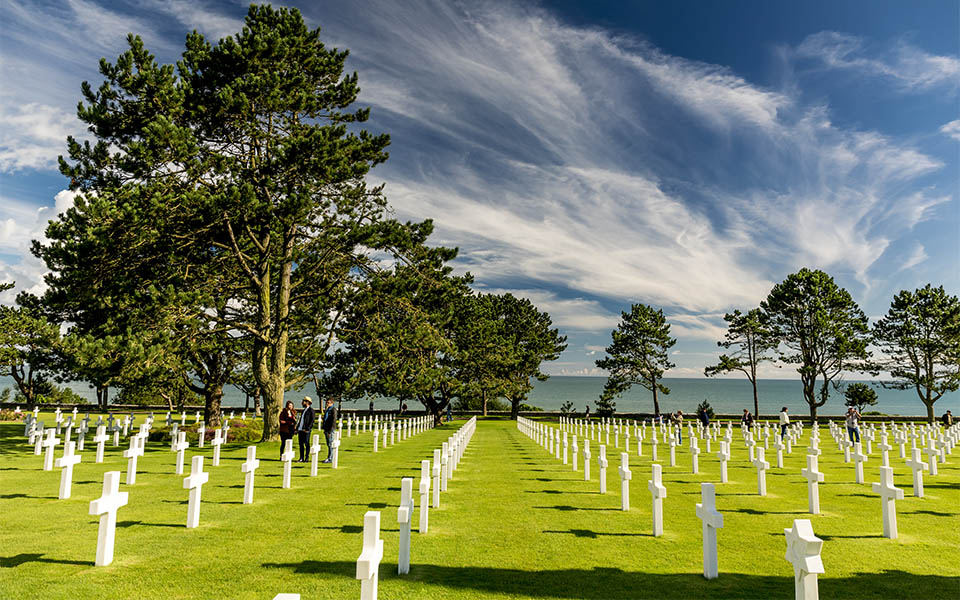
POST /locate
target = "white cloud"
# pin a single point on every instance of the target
(912, 68)
(952, 129)
(917, 256)
(33, 135)
(567, 314)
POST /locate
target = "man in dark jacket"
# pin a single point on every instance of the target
(304, 424)
(329, 425)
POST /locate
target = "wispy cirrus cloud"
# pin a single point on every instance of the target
(952, 129)
(912, 68)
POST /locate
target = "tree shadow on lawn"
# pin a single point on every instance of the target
(369, 505)
(554, 492)
(609, 583)
(752, 511)
(930, 512)
(13, 496)
(586, 533)
(9, 562)
(568, 508)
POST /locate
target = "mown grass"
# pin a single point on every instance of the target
(515, 523)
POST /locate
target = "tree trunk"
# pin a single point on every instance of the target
(515, 408)
(103, 397)
(212, 395)
(656, 401)
(256, 404)
(272, 404)
(930, 417)
(484, 394)
(756, 400)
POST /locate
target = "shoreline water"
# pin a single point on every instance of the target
(725, 395)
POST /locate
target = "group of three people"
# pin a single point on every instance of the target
(302, 425)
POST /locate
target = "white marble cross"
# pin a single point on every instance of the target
(602, 463)
(194, 483)
(100, 438)
(653, 446)
(695, 454)
(813, 477)
(249, 467)
(750, 445)
(404, 519)
(658, 493)
(673, 450)
(106, 507)
(712, 520)
(201, 434)
(131, 454)
(859, 458)
(444, 465)
(724, 456)
(847, 445)
(66, 462)
(625, 476)
(586, 459)
(368, 564)
(576, 452)
(885, 449)
(49, 444)
(918, 466)
(762, 467)
(888, 497)
(933, 456)
(335, 449)
(287, 458)
(424, 495)
(778, 445)
(803, 552)
(315, 449)
(216, 442)
(376, 438)
(180, 447)
(436, 478)
(566, 446)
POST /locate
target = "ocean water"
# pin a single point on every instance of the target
(726, 396)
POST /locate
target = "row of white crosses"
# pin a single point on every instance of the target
(398, 430)
(368, 563)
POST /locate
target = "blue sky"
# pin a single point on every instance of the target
(687, 155)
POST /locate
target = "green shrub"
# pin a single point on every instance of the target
(8, 414)
(248, 431)
(529, 408)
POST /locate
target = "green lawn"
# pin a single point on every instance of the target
(515, 523)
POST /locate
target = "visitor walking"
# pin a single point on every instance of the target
(329, 425)
(288, 418)
(304, 425)
(853, 424)
(746, 420)
(449, 412)
(947, 419)
(703, 416)
(784, 421)
(677, 420)
(586, 413)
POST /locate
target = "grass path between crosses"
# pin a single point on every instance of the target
(514, 523)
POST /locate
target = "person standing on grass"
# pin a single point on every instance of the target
(947, 419)
(853, 424)
(704, 417)
(784, 421)
(747, 419)
(677, 419)
(329, 425)
(586, 413)
(288, 419)
(449, 412)
(304, 425)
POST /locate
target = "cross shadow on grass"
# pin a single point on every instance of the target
(9, 562)
(568, 508)
(12, 496)
(931, 512)
(608, 583)
(753, 511)
(586, 533)
(369, 505)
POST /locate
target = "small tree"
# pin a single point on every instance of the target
(920, 335)
(638, 354)
(823, 329)
(751, 340)
(28, 344)
(705, 406)
(605, 405)
(566, 409)
(859, 396)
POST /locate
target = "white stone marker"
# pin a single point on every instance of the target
(658, 493)
(859, 458)
(315, 449)
(180, 447)
(436, 478)
(888, 499)
(653, 446)
(194, 483)
(602, 463)
(813, 477)
(49, 444)
(376, 438)
(66, 462)
(201, 434)
(335, 449)
(724, 456)
(695, 454)
(249, 467)
(885, 449)
(778, 444)
(762, 467)
(576, 452)
(287, 458)
(216, 442)
(368, 564)
(404, 518)
(918, 467)
(803, 552)
(933, 456)
(100, 439)
(566, 446)
(444, 465)
(424, 495)
(587, 455)
(135, 450)
(106, 506)
(625, 477)
(673, 450)
(712, 520)
(287, 597)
